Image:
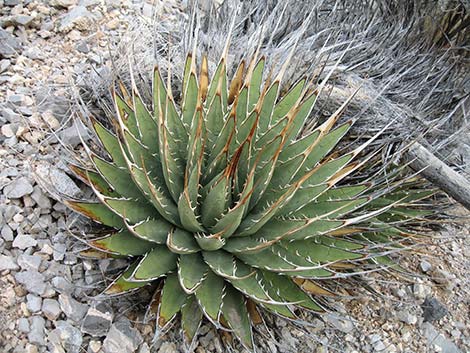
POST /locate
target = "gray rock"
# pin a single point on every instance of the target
(9, 44)
(51, 309)
(4, 65)
(59, 252)
(61, 285)
(83, 47)
(122, 337)
(12, 2)
(18, 188)
(7, 233)
(61, 182)
(71, 135)
(341, 323)
(144, 348)
(41, 199)
(98, 320)
(62, 3)
(23, 325)
(32, 280)
(425, 266)
(48, 101)
(8, 263)
(65, 338)
(36, 333)
(74, 310)
(24, 241)
(33, 303)
(78, 18)
(22, 20)
(168, 347)
(407, 317)
(29, 262)
(433, 310)
(435, 338)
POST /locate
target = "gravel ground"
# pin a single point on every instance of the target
(45, 45)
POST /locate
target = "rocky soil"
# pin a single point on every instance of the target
(48, 294)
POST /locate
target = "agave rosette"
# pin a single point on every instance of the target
(231, 205)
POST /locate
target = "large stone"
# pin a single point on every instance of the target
(51, 309)
(18, 188)
(29, 262)
(73, 309)
(433, 310)
(122, 338)
(78, 18)
(98, 320)
(64, 338)
(41, 199)
(73, 134)
(57, 179)
(36, 333)
(62, 3)
(9, 44)
(8, 263)
(61, 285)
(33, 303)
(32, 280)
(435, 338)
(24, 241)
(341, 323)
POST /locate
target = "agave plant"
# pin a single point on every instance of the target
(230, 200)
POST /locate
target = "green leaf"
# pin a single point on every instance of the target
(120, 285)
(289, 291)
(157, 194)
(94, 179)
(255, 83)
(277, 229)
(209, 242)
(126, 115)
(154, 230)
(131, 210)
(122, 243)
(287, 102)
(173, 298)
(120, 179)
(216, 202)
(191, 318)
(209, 295)
(236, 314)
(97, 212)
(147, 125)
(190, 100)
(191, 272)
(267, 108)
(342, 192)
(253, 287)
(218, 87)
(298, 121)
(331, 209)
(110, 143)
(225, 265)
(323, 250)
(182, 242)
(323, 146)
(155, 264)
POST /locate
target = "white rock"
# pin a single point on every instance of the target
(79, 18)
(8, 263)
(62, 3)
(18, 188)
(24, 241)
